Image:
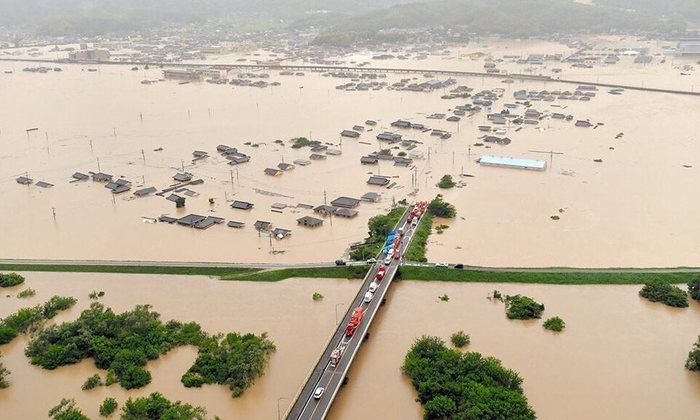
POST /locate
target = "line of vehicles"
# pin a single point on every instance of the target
(392, 251)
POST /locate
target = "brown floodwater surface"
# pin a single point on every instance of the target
(297, 325)
(620, 356)
(631, 209)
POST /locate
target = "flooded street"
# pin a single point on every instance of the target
(298, 326)
(626, 210)
(620, 357)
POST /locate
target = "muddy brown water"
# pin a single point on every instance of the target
(620, 357)
(629, 210)
(297, 325)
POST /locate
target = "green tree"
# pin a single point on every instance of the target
(440, 407)
(693, 362)
(523, 307)
(694, 288)
(4, 373)
(92, 382)
(554, 324)
(157, 407)
(67, 410)
(108, 406)
(7, 334)
(10, 279)
(440, 208)
(460, 339)
(668, 294)
(446, 182)
(456, 385)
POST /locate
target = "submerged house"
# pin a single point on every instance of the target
(241, 205)
(101, 177)
(309, 221)
(262, 225)
(380, 181)
(346, 202)
(182, 177)
(350, 133)
(273, 172)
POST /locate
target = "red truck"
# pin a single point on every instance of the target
(355, 320)
(336, 355)
(381, 272)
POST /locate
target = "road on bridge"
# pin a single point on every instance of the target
(331, 378)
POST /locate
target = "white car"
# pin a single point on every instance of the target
(318, 392)
(368, 297)
(388, 260)
(442, 265)
(371, 261)
(373, 287)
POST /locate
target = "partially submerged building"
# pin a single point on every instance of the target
(515, 163)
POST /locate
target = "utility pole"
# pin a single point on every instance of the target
(182, 162)
(143, 155)
(232, 190)
(53, 210)
(98, 165)
(324, 198)
(237, 181)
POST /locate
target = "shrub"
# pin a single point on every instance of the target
(460, 339)
(523, 307)
(554, 324)
(317, 296)
(235, 360)
(92, 382)
(440, 208)
(66, 410)
(668, 294)
(108, 406)
(694, 288)
(416, 251)
(56, 304)
(3, 376)
(446, 182)
(452, 385)
(26, 293)
(444, 298)
(693, 362)
(157, 407)
(10, 279)
(7, 334)
(299, 142)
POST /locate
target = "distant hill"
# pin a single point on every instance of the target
(689, 10)
(513, 18)
(99, 16)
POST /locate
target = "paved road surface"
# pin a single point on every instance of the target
(331, 378)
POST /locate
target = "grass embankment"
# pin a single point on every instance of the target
(129, 269)
(340, 272)
(485, 276)
(416, 251)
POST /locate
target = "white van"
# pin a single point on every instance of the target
(388, 260)
(368, 297)
(373, 287)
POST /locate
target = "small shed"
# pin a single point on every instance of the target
(79, 176)
(145, 191)
(241, 205)
(262, 225)
(44, 184)
(380, 181)
(280, 233)
(235, 224)
(182, 177)
(101, 177)
(273, 172)
(285, 166)
(324, 209)
(369, 160)
(24, 180)
(371, 197)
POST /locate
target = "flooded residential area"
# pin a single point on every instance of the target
(341, 206)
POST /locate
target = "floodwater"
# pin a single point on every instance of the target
(620, 356)
(297, 325)
(628, 210)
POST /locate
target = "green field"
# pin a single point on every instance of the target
(129, 269)
(358, 271)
